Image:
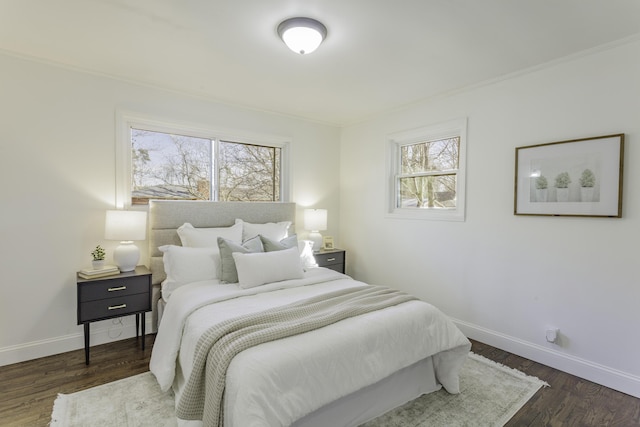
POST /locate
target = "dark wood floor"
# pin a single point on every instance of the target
(569, 401)
(28, 389)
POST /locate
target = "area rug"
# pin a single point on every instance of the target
(490, 395)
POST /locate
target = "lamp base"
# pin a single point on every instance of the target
(316, 238)
(126, 256)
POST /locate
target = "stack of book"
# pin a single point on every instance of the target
(90, 273)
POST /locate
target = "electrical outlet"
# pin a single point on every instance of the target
(552, 335)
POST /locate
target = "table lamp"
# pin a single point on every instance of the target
(315, 220)
(126, 226)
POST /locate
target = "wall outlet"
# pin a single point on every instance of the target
(552, 335)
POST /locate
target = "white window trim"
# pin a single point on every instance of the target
(125, 120)
(452, 128)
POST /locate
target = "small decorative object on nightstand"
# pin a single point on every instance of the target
(97, 256)
(114, 296)
(334, 259)
(327, 243)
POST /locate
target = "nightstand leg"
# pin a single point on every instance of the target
(143, 324)
(86, 343)
(137, 324)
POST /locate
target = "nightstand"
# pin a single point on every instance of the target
(333, 259)
(114, 296)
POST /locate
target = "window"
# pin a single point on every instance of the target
(248, 172)
(427, 172)
(177, 162)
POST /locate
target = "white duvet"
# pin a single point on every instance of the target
(277, 383)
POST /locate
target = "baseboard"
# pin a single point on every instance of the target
(600, 374)
(101, 333)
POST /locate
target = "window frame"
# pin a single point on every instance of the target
(125, 120)
(395, 141)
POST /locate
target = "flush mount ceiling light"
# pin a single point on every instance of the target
(302, 35)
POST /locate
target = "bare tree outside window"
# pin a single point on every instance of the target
(248, 172)
(428, 174)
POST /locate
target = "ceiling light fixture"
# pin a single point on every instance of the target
(302, 35)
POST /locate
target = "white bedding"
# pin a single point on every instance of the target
(279, 382)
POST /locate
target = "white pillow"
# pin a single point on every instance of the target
(271, 230)
(186, 265)
(208, 237)
(307, 259)
(255, 269)
(228, 272)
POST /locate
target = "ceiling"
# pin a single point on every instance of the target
(379, 55)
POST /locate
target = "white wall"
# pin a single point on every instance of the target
(57, 178)
(507, 278)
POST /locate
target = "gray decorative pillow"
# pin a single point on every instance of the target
(271, 245)
(228, 271)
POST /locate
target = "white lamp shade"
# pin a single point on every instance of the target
(125, 225)
(315, 219)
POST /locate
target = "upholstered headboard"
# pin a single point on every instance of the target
(165, 216)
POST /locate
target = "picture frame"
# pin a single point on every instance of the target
(577, 177)
(327, 243)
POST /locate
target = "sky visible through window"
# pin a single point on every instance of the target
(157, 156)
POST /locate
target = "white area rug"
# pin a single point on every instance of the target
(490, 395)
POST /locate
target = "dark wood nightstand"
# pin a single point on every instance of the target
(334, 259)
(114, 296)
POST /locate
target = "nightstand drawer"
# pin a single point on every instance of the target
(112, 288)
(113, 307)
(333, 259)
(325, 259)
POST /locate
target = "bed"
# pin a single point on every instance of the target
(282, 342)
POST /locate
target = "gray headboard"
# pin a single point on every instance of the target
(165, 216)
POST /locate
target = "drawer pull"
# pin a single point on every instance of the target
(119, 288)
(116, 307)
(330, 259)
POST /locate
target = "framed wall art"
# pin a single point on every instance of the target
(579, 177)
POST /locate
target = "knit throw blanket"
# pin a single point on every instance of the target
(202, 398)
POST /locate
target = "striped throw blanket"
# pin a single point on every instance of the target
(202, 398)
